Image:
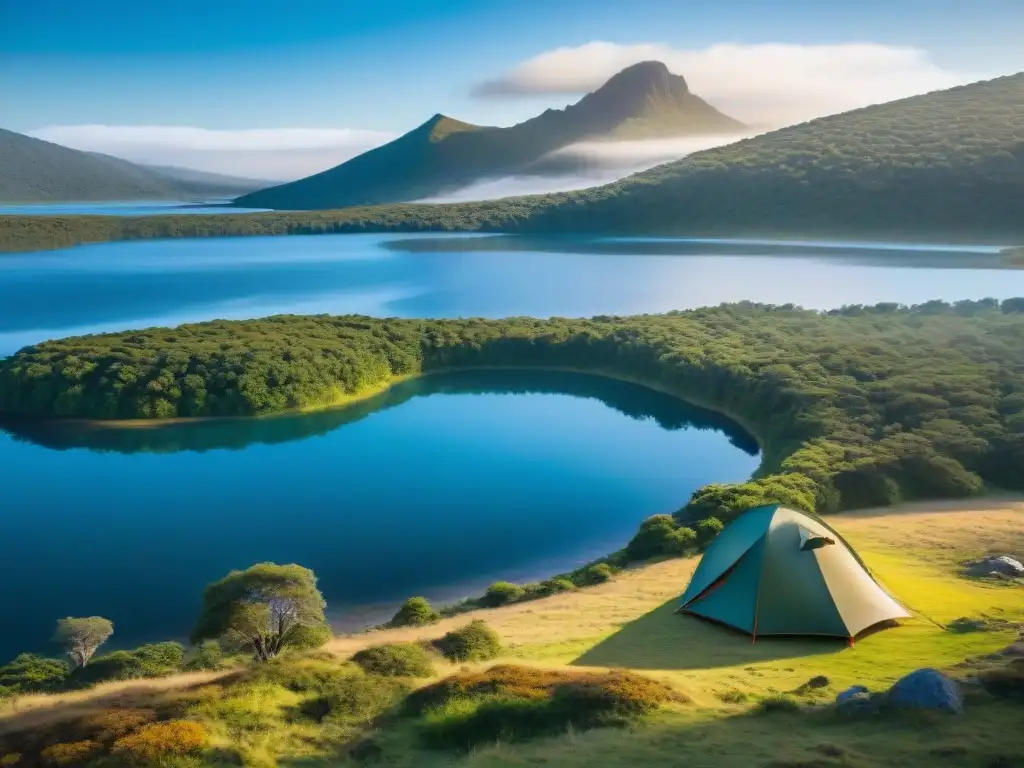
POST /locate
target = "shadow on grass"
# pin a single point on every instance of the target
(664, 639)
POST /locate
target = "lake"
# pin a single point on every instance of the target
(114, 286)
(438, 487)
(123, 208)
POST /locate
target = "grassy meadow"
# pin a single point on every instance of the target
(737, 703)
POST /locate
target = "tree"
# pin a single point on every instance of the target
(81, 637)
(264, 608)
(415, 612)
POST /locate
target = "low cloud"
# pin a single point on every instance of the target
(587, 164)
(768, 84)
(275, 154)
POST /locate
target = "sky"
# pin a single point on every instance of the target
(282, 89)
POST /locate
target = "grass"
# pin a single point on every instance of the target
(749, 704)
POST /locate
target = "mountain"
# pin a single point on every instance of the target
(944, 166)
(37, 171)
(643, 101)
(204, 179)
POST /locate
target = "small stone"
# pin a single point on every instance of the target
(926, 689)
(850, 692)
(859, 703)
(997, 566)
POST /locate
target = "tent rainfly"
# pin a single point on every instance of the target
(777, 571)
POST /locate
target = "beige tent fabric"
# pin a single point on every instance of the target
(861, 602)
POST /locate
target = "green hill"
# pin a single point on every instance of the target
(942, 166)
(641, 102)
(36, 171)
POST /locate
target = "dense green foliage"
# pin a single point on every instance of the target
(153, 660)
(948, 164)
(642, 101)
(415, 612)
(854, 407)
(500, 593)
(29, 673)
(474, 642)
(395, 660)
(34, 171)
(265, 608)
(512, 703)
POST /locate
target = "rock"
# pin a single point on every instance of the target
(859, 703)
(926, 689)
(998, 565)
(850, 692)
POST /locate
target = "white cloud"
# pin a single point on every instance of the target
(764, 84)
(586, 164)
(277, 153)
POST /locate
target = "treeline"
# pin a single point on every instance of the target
(945, 165)
(1014, 256)
(854, 407)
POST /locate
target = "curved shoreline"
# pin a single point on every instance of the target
(348, 400)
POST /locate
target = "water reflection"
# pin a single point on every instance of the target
(631, 400)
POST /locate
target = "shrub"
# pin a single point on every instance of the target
(1006, 681)
(773, 704)
(10, 759)
(500, 593)
(415, 612)
(357, 698)
(592, 574)
(207, 655)
(71, 753)
(29, 673)
(114, 723)
(158, 741)
(474, 642)
(308, 637)
(554, 586)
(513, 703)
(152, 660)
(655, 537)
(300, 676)
(707, 530)
(395, 660)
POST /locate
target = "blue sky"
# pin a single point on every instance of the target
(387, 66)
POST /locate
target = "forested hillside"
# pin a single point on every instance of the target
(944, 166)
(36, 171)
(856, 407)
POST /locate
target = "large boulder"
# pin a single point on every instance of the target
(926, 689)
(998, 566)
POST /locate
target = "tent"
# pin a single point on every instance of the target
(777, 571)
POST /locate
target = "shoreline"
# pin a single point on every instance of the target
(368, 393)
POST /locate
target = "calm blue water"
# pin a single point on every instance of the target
(122, 208)
(438, 487)
(435, 488)
(115, 286)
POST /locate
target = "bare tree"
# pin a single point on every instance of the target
(81, 637)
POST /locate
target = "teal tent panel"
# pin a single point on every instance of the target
(734, 600)
(728, 547)
(794, 597)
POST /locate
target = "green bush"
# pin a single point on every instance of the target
(395, 660)
(298, 675)
(207, 655)
(355, 698)
(308, 637)
(474, 642)
(592, 574)
(512, 703)
(500, 593)
(154, 660)
(29, 673)
(707, 530)
(415, 612)
(777, 704)
(552, 587)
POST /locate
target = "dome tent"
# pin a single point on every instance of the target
(778, 571)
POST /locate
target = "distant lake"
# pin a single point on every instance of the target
(438, 487)
(122, 208)
(114, 286)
